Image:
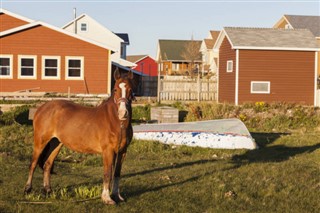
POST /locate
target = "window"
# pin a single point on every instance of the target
(287, 26)
(27, 67)
(5, 66)
(50, 67)
(175, 66)
(229, 66)
(260, 87)
(83, 27)
(74, 68)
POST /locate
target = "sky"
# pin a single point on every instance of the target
(148, 21)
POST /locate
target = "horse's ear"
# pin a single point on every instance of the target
(116, 74)
(130, 74)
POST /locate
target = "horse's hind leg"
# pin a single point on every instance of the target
(47, 168)
(37, 150)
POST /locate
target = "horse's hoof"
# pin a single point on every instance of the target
(47, 190)
(27, 189)
(109, 202)
(118, 198)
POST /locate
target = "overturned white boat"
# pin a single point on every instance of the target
(222, 134)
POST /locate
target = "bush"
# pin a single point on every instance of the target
(259, 116)
(141, 113)
(19, 114)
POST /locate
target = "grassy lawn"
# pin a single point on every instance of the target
(283, 175)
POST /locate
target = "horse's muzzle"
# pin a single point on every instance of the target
(123, 114)
(123, 111)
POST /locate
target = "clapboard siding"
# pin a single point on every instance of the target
(291, 75)
(43, 41)
(8, 22)
(226, 91)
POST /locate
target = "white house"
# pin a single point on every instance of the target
(210, 55)
(87, 27)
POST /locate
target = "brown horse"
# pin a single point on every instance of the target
(104, 129)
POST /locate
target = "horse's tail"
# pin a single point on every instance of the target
(52, 145)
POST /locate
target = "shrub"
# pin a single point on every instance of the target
(19, 114)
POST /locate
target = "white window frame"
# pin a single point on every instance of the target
(260, 92)
(81, 58)
(34, 57)
(10, 76)
(228, 66)
(58, 58)
(175, 66)
(84, 23)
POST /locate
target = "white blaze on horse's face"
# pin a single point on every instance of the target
(122, 109)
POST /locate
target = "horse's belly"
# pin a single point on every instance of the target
(81, 145)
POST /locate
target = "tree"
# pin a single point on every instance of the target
(191, 53)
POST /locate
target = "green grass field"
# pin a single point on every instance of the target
(283, 175)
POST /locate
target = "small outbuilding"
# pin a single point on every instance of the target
(269, 65)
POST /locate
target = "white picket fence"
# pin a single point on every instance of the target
(188, 90)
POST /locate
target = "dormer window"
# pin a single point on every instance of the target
(83, 27)
(287, 26)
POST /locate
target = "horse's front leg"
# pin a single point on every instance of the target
(118, 166)
(108, 157)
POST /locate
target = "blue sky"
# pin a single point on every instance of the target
(148, 21)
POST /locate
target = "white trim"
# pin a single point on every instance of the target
(260, 92)
(236, 102)
(15, 15)
(227, 67)
(109, 75)
(315, 77)
(275, 48)
(34, 24)
(81, 58)
(43, 66)
(10, 76)
(34, 57)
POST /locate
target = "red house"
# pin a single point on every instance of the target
(145, 64)
(269, 65)
(38, 56)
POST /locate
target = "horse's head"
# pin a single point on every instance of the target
(123, 93)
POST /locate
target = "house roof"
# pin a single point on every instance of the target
(135, 58)
(39, 23)
(214, 34)
(3, 11)
(209, 43)
(269, 39)
(124, 37)
(305, 22)
(211, 39)
(172, 50)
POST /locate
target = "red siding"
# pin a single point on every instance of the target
(42, 41)
(147, 66)
(8, 22)
(291, 75)
(226, 79)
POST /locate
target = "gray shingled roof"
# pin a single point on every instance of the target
(311, 23)
(135, 58)
(171, 50)
(271, 38)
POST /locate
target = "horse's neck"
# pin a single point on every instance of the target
(110, 108)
